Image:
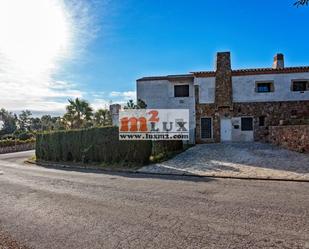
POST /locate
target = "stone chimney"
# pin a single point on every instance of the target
(278, 61)
(223, 90)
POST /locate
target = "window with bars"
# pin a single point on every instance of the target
(262, 121)
(181, 91)
(206, 128)
(300, 85)
(264, 87)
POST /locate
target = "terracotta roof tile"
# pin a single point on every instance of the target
(167, 77)
(205, 73)
(270, 71)
(238, 72)
(255, 71)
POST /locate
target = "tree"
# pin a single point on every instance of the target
(140, 104)
(35, 124)
(59, 123)
(301, 3)
(46, 123)
(130, 105)
(8, 122)
(78, 114)
(102, 117)
(24, 120)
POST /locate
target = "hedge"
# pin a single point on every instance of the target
(14, 142)
(91, 145)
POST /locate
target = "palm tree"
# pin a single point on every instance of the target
(102, 117)
(130, 105)
(301, 2)
(140, 104)
(78, 113)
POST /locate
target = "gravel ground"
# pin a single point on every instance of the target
(244, 160)
(7, 242)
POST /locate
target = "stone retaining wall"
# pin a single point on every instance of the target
(293, 137)
(16, 148)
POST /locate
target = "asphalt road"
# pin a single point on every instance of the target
(50, 208)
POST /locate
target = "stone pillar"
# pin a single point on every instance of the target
(114, 111)
(223, 90)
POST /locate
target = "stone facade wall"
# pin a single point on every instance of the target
(20, 147)
(293, 137)
(273, 112)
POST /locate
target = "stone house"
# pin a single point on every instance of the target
(232, 105)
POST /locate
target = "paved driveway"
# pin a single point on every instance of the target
(253, 160)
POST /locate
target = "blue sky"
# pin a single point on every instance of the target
(120, 41)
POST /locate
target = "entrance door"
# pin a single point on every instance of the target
(226, 129)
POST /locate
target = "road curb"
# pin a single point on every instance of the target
(93, 168)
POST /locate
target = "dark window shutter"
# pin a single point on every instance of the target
(246, 124)
(181, 90)
(300, 86)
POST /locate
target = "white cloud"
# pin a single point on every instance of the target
(37, 37)
(100, 104)
(127, 95)
(104, 100)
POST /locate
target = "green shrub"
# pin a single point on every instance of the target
(165, 147)
(7, 136)
(13, 142)
(91, 145)
(24, 136)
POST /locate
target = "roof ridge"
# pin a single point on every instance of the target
(257, 68)
(171, 76)
(235, 72)
(252, 71)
